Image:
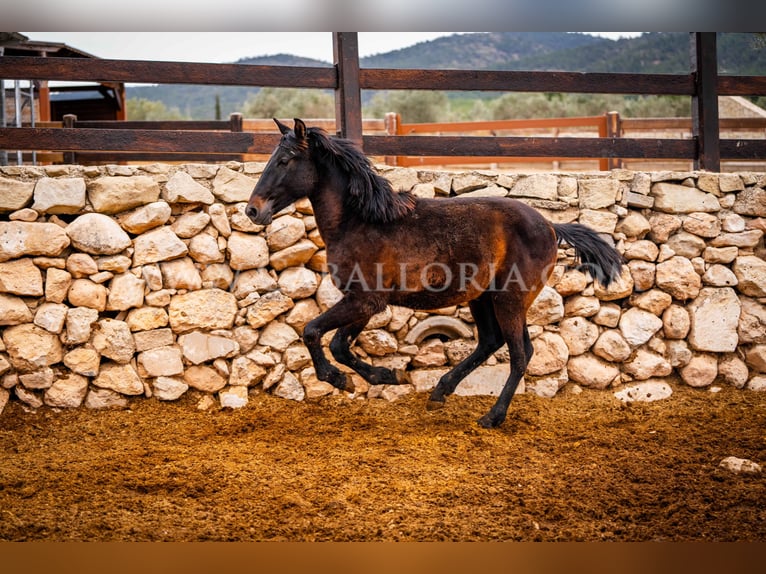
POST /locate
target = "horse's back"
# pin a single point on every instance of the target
(473, 217)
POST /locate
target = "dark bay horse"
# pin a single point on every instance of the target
(385, 247)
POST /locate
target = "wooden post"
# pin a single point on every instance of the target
(392, 122)
(69, 123)
(348, 95)
(704, 69)
(603, 132)
(235, 122)
(235, 125)
(613, 131)
(45, 101)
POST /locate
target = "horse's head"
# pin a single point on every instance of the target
(289, 175)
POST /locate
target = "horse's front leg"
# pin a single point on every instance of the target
(349, 312)
(341, 350)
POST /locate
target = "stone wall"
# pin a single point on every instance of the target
(120, 282)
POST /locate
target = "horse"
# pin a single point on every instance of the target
(387, 247)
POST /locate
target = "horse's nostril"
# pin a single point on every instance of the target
(251, 212)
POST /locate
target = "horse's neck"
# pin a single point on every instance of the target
(329, 208)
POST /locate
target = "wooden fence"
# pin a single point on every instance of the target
(702, 84)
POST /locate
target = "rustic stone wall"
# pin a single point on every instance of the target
(119, 282)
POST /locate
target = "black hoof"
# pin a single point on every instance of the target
(489, 422)
(402, 377)
(383, 376)
(340, 381)
(433, 405)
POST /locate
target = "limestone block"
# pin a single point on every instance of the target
(267, 308)
(97, 234)
(86, 293)
(13, 310)
(202, 309)
(180, 274)
(59, 195)
(230, 186)
(550, 356)
(79, 323)
(298, 282)
(15, 194)
(598, 193)
(51, 317)
(204, 378)
(83, 361)
(183, 188)
(113, 194)
(125, 292)
(156, 245)
(190, 224)
(67, 392)
(751, 274)
(247, 251)
(677, 277)
(198, 347)
(145, 217)
(161, 362)
(590, 371)
(113, 339)
(701, 370)
(169, 388)
(638, 326)
(674, 198)
(120, 378)
(21, 239)
(31, 348)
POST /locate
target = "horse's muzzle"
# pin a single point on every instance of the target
(259, 212)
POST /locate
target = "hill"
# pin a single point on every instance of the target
(653, 52)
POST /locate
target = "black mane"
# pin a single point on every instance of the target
(369, 195)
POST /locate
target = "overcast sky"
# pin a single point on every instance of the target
(224, 47)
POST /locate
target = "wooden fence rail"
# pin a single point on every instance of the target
(703, 85)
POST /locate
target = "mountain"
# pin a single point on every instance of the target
(652, 52)
(481, 50)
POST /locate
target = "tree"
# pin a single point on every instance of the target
(143, 109)
(415, 106)
(289, 102)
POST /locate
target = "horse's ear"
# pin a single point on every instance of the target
(300, 129)
(282, 127)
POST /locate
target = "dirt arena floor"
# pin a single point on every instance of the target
(578, 467)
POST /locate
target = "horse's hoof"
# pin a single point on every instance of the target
(341, 381)
(349, 386)
(402, 377)
(434, 405)
(488, 422)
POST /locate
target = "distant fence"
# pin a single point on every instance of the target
(609, 125)
(702, 84)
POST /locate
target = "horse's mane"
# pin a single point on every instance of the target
(369, 194)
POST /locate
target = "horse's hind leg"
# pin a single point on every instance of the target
(520, 347)
(340, 346)
(490, 340)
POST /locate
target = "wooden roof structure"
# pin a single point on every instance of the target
(110, 106)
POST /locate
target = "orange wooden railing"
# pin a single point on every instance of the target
(603, 124)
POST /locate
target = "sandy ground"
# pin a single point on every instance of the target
(578, 467)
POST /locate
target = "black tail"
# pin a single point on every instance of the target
(596, 256)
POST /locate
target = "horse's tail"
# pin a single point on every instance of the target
(602, 260)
